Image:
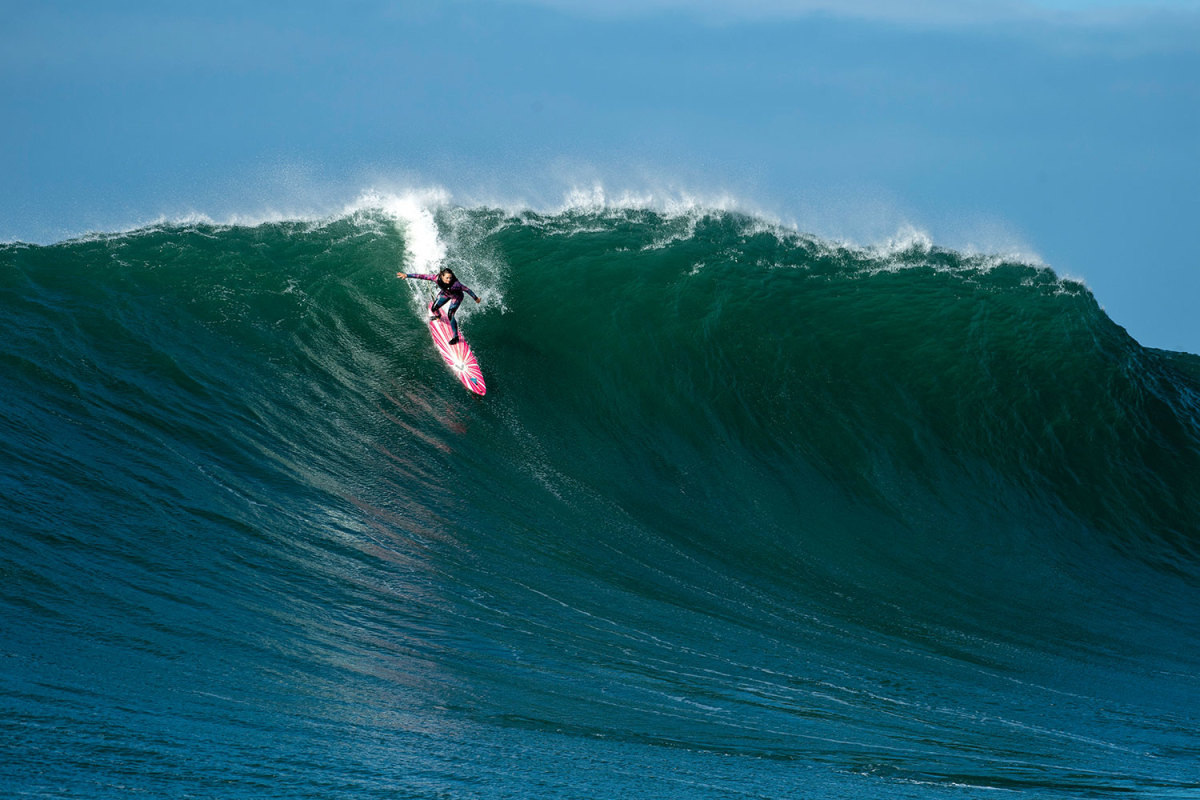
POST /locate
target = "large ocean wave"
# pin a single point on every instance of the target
(744, 512)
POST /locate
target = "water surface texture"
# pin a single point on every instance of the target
(744, 514)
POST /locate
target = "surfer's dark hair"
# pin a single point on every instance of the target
(453, 277)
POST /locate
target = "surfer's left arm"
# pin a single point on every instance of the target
(474, 296)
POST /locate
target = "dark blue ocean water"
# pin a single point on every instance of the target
(744, 514)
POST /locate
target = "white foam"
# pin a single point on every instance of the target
(419, 211)
(433, 226)
(414, 210)
(672, 202)
(905, 240)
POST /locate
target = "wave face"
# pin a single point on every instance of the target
(744, 513)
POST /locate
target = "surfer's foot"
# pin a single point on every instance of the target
(454, 340)
(436, 315)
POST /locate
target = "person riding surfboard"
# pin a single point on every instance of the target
(450, 289)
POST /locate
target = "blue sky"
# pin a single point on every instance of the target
(1062, 128)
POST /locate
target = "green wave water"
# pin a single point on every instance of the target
(744, 513)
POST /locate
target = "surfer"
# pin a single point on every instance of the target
(451, 290)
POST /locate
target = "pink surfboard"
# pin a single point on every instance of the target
(457, 356)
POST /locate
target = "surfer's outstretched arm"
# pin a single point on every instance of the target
(456, 289)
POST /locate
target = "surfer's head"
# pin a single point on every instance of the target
(446, 277)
